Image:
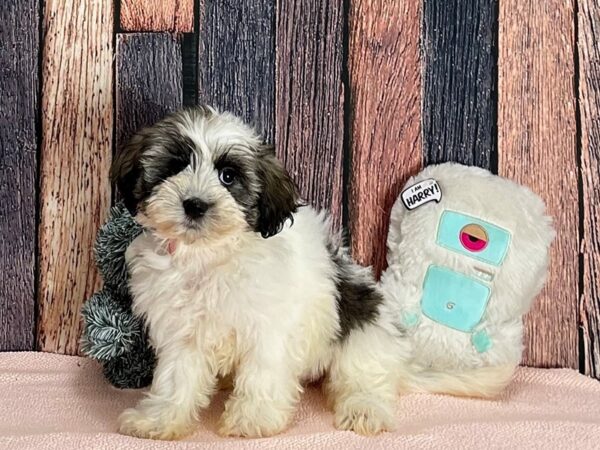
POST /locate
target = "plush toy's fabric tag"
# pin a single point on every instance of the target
(423, 192)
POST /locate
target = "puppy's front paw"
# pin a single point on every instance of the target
(363, 416)
(138, 423)
(253, 419)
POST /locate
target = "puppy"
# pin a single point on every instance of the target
(234, 277)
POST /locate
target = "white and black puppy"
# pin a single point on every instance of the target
(234, 277)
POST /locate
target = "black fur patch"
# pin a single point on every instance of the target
(278, 198)
(175, 157)
(244, 188)
(358, 297)
(136, 180)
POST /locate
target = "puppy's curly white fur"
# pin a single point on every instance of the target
(232, 276)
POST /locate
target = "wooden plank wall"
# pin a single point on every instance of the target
(385, 147)
(163, 15)
(310, 96)
(588, 18)
(356, 95)
(459, 82)
(149, 81)
(75, 152)
(19, 99)
(236, 60)
(537, 147)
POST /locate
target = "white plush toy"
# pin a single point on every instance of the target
(467, 254)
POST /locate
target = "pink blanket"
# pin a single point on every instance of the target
(62, 402)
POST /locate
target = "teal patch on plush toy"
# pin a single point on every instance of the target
(111, 333)
(453, 299)
(473, 237)
(481, 341)
(410, 319)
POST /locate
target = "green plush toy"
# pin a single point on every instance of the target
(112, 334)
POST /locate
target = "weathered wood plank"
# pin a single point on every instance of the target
(189, 60)
(236, 60)
(589, 105)
(537, 147)
(459, 100)
(77, 126)
(310, 99)
(153, 15)
(19, 31)
(385, 92)
(149, 80)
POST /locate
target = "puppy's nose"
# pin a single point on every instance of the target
(194, 207)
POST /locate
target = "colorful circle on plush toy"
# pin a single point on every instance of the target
(473, 237)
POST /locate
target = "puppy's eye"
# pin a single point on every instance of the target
(227, 176)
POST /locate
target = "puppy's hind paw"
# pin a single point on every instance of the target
(134, 422)
(363, 417)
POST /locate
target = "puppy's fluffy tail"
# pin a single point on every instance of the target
(485, 382)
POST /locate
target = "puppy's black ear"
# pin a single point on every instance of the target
(278, 199)
(126, 172)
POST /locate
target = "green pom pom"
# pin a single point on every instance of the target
(111, 243)
(112, 334)
(110, 328)
(133, 370)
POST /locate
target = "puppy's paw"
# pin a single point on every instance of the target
(138, 423)
(253, 419)
(366, 417)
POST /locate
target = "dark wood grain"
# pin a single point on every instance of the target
(19, 32)
(589, 103)
(236, 60)
(537, 147)
(310, 99)
(189, 60)
(459, 81)
(157, 15)
(77, 127)
(385, 93)
(149, 80)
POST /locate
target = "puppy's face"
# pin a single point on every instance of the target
(199, 175)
